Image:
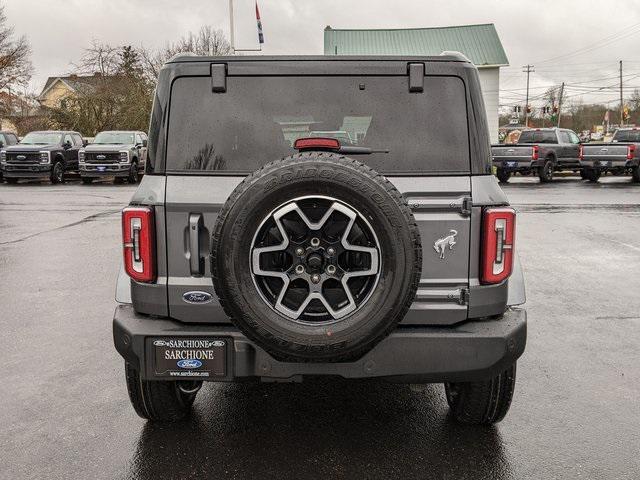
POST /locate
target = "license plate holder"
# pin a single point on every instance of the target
(195, 358)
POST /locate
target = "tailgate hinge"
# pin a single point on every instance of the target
(464, 296)
(465, 206)
(218, 77)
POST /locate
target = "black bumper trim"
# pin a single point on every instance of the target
(471, 351)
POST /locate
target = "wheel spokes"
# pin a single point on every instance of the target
(315, 279)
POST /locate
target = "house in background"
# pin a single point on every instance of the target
(56, 89)
(479, 43)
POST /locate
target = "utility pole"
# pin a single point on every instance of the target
(621, 104)
(528, 69)
(232, 33)
(560, 103)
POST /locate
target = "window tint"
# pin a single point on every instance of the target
(626, 136)
(538, 136)
(258, 119)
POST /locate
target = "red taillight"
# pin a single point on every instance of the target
(315, 143)
(631, 150)
(138, 242)
(534, 152)
(581, 152)
(498, 239)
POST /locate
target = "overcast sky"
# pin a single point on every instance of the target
(579, 42)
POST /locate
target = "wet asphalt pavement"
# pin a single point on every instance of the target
(64, 411)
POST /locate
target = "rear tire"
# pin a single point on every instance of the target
(592, 174)
(582, 174)
(307, 175)
(545, 173)
(57, 173)
(157, 400)
(87, 180)
(503, 175)
(482, 403)
(635, 174)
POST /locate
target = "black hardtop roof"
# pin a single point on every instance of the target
(448, 57)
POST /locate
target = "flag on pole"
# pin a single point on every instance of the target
(260, 34)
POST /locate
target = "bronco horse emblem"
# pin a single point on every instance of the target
(441, 244)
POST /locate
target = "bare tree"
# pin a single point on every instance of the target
(207, 41)
(98, 58)
(15, 56)
(119, 98)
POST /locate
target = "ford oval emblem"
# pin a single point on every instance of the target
(197, 297)
(101, 157)
(21, 157)
(191, 363)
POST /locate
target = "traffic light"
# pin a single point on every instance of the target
(626, 113)
(555, 109)
(528, 108)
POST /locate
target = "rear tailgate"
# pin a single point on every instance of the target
(605, 151)
(511, 153)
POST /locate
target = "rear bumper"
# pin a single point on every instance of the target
(515, 165)
(472, 351)
(605, 164)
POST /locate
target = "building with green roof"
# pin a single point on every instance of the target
(480, 43)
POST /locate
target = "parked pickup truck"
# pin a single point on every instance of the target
(540, 152)
(256, 251)
(119, 154)
(6, 140)
(47, 155)
(621, 155)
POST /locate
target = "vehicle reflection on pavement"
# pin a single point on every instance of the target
(319, 429)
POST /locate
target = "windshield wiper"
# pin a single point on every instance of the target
(333, 145)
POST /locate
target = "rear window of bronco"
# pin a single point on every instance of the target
(258, 119)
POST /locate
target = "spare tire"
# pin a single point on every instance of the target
(316, 257)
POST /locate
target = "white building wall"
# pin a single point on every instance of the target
(490, 83)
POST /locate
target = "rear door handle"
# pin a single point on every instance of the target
(196, 262)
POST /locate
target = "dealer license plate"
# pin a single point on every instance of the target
(189, 357)
(511, 164)
(102, 169)
(604, 163)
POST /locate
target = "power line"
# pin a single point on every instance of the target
(626, 32)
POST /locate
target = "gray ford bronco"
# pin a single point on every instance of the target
(316, 216)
